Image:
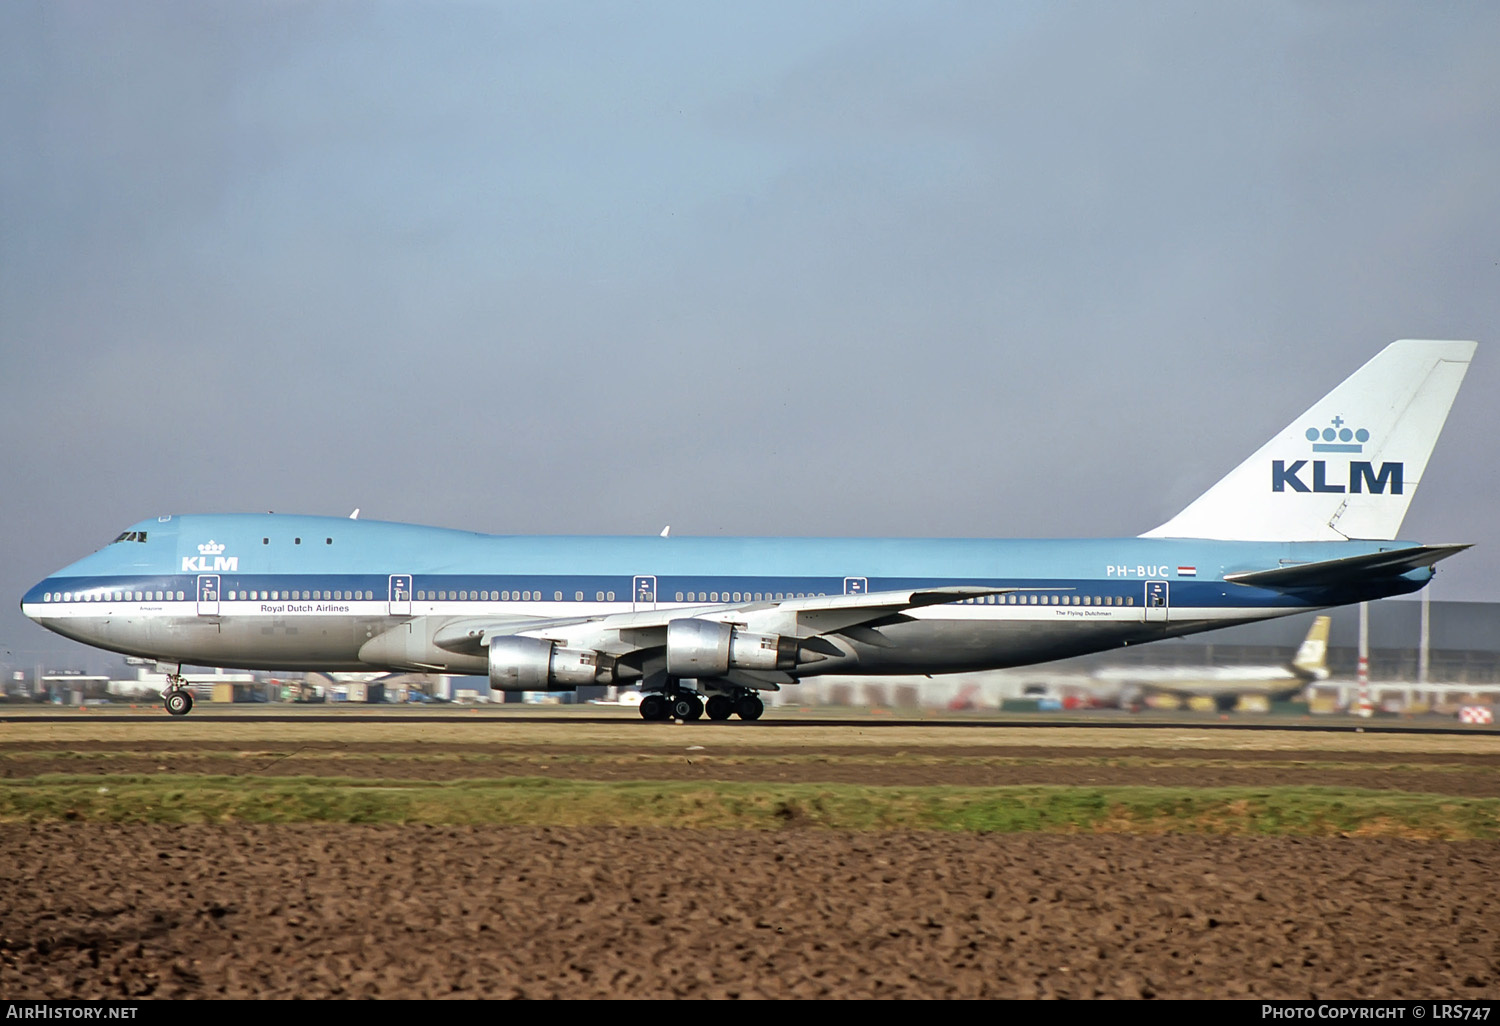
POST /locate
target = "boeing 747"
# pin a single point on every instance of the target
(705, 625)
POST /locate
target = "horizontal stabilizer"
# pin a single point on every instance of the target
(1331, 573)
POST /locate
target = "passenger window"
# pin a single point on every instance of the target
(557, 596)
(578, 596)
(611, 596)
(679, 596)
(598, 596)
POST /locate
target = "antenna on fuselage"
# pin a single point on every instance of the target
(666, 530)
(355, 514)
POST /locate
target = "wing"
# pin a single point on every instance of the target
(621, 633)
(758, 645)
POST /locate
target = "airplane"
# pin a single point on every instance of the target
(1128, 686)
(705, 625)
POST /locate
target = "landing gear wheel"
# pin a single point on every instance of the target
(179, 703)
(720, 707)
(682, 708)
(697, 713)
(654, 707)
(749, 707)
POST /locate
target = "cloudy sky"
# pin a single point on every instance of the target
(940, 269)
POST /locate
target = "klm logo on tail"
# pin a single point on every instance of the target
(1362, 473)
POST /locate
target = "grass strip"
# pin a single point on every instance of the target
(74, 761)
(528, 801)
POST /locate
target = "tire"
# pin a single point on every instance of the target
(750, 707)
(653, 707)
(178, 703)
(720, 707)
(682, 708)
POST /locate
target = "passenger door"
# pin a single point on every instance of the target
(1157, 608)
(642, 592)
(208, 594)
(400, 595)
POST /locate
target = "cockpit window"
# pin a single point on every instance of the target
(135, 536)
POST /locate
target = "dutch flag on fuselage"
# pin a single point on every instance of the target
(1187, 571)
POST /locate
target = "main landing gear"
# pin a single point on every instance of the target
(176, 697)
(685, 705)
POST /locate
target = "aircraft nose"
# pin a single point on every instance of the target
(33, 603)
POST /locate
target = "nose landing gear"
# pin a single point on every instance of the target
(176, 697)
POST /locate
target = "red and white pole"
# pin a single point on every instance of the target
(1364, 707)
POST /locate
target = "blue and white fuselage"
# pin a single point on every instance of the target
(314, 592)
(1306, 522)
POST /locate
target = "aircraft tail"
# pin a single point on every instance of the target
(1312, 656)
(1348, 467)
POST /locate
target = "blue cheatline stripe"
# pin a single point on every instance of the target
(1184, 594)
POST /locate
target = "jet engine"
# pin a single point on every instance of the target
(535, 664)
(703, 648)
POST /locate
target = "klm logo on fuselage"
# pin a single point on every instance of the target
(1363, 477)
(210, 560)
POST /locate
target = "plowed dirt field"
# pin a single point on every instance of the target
(320, 910)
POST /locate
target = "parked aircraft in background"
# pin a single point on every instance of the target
(1225, 685)
(706, 624)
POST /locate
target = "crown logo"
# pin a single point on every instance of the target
(1338, 438)
(211, 548)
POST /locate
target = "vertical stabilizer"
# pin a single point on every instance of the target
(1312, 656)
(1348, 467)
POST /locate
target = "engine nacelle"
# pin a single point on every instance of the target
(703, 648)
(535, 664)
